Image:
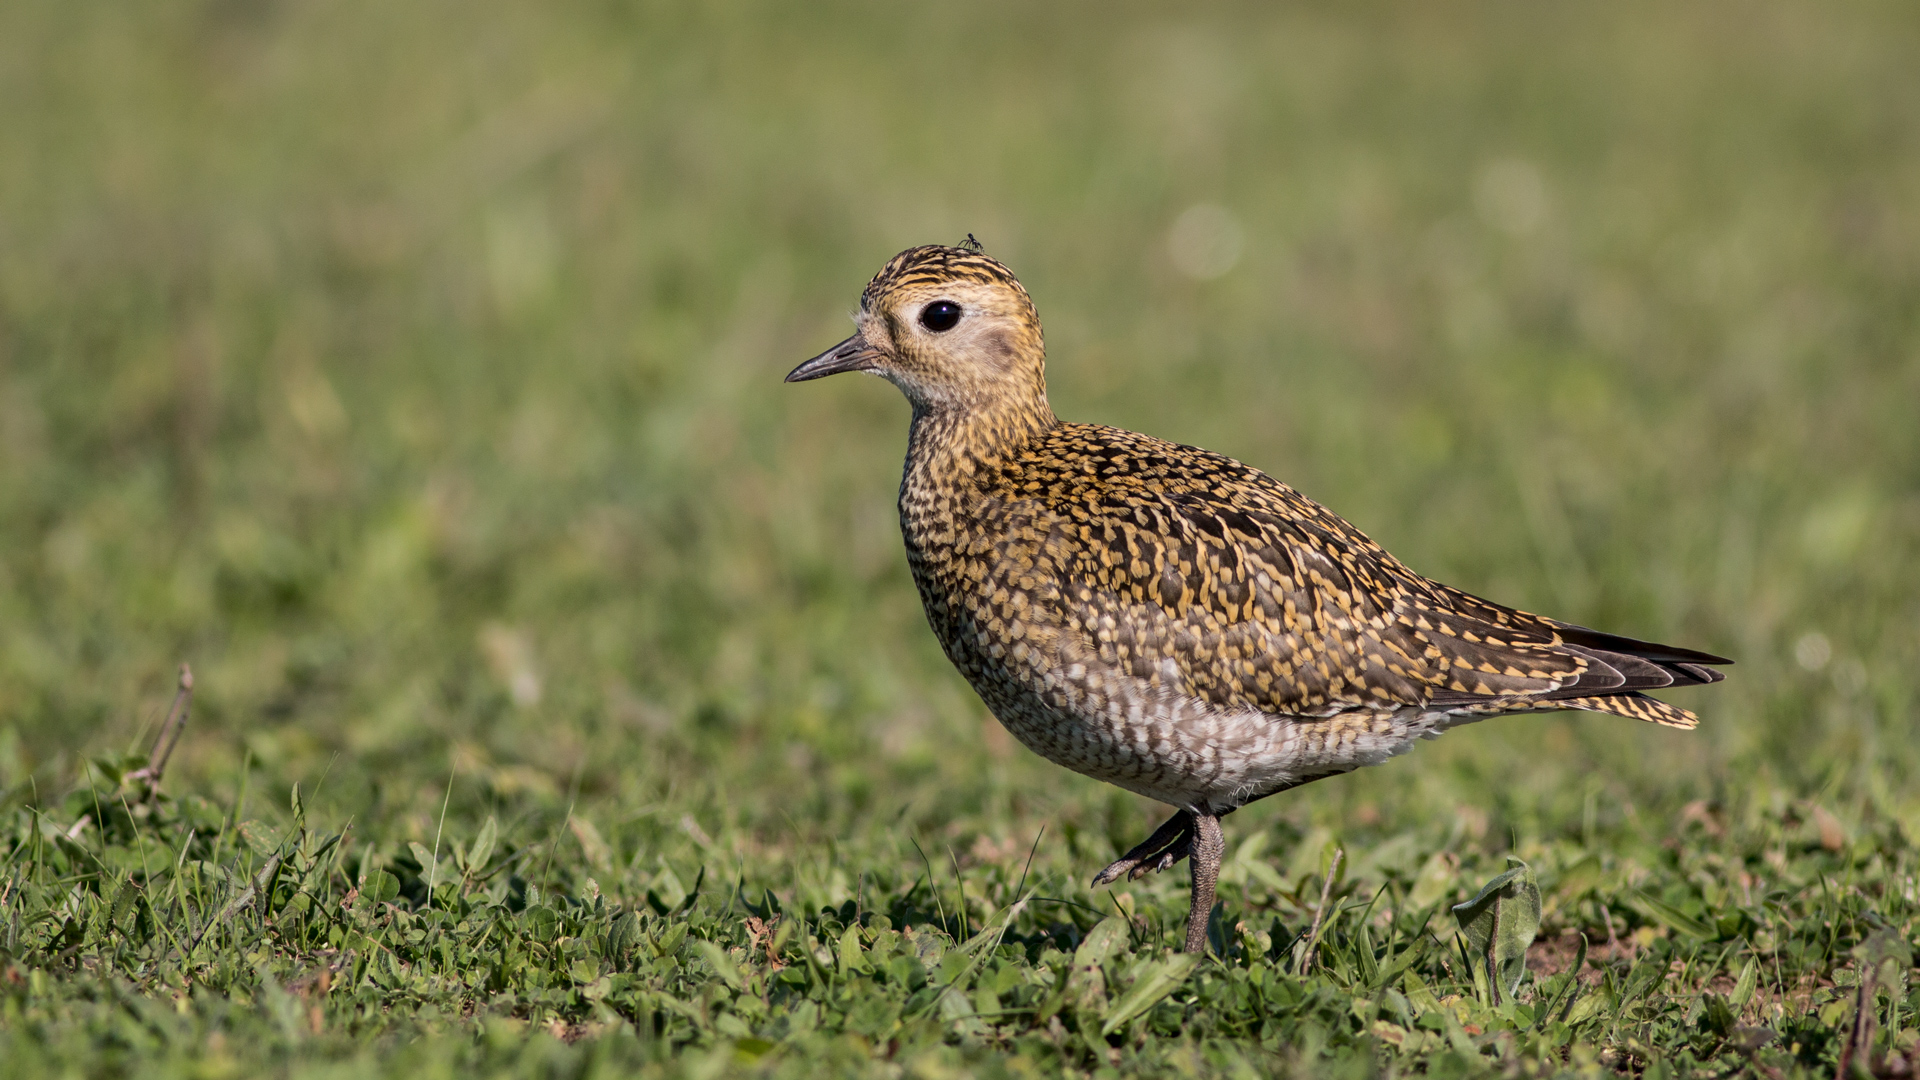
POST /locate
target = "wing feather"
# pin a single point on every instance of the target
(1172, 559)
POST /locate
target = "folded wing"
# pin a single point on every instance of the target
(1214, 575)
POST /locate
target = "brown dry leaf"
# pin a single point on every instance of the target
(1833, 835)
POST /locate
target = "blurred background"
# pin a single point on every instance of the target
(413, 370)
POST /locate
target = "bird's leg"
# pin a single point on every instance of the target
(1206, 845)
(1170, 843)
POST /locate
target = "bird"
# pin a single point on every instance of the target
(1167, 619)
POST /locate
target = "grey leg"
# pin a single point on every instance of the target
(1170, 843)
(1207, 847)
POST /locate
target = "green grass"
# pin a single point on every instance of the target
(413, 372)
(161, 938)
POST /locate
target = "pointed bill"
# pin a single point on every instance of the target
(853, 354)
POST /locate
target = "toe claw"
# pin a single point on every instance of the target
(1170, 843)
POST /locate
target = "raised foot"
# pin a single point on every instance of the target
(1182, 835)
(1170, 843)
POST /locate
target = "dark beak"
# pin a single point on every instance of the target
(853, 354)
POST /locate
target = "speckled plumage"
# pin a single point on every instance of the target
(1168, 619)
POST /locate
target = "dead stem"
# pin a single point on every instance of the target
(1320, 913)
(169, 735)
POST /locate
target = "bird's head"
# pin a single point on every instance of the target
(951, 328)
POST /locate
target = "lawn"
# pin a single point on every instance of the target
(563, 706)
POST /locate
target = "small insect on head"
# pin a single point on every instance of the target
(950, 326)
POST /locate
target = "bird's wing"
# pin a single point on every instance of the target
(1175, 564)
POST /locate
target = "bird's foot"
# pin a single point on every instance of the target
(1170, 843)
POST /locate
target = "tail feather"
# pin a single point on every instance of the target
(1650, 650)
(1637, 706)
(1704, 674)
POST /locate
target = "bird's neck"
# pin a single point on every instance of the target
(949, 445)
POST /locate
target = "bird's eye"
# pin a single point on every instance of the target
(941, 315)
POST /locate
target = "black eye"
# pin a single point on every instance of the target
(941, 315)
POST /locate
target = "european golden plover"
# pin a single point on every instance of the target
(1167, 619)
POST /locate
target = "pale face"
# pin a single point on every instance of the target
(958, 343)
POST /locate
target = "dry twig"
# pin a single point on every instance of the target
(164, 742)
(1860, 1036)
(1320, 913)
